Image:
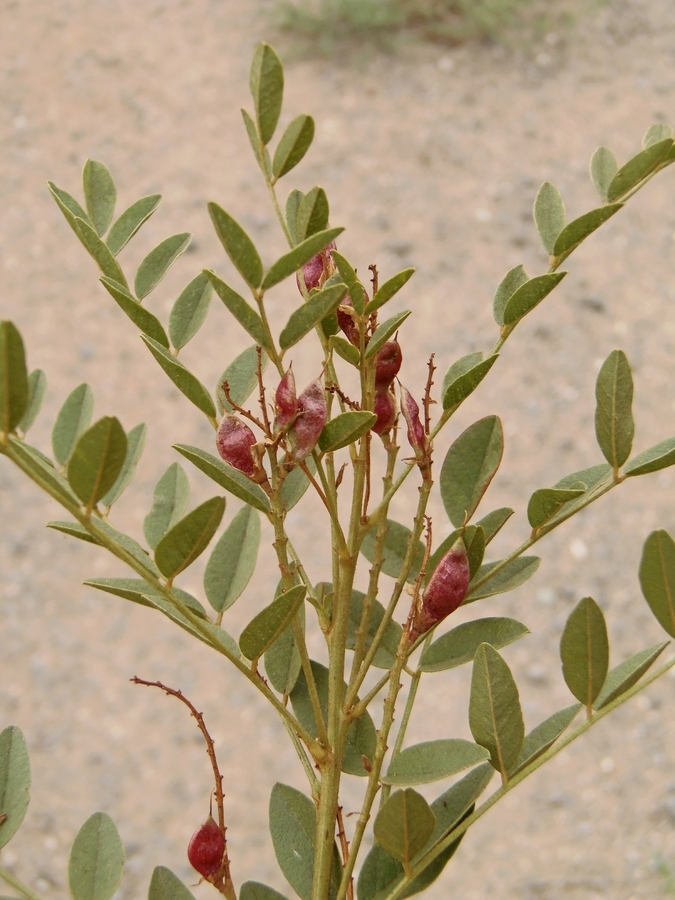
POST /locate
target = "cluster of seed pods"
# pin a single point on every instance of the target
(445, 590)
(207, 848)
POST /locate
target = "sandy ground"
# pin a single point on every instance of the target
(431, 158)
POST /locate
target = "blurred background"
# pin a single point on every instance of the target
(436, 123)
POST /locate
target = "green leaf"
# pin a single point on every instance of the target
(68, 205)
(603, 168)
(433, 760)
(164, 885)
(97, 459)
(579, 229)
(469, 467)
(657, 578)
(139, 591)
(593, 477)
(139, 315)
(348, 274)
(247, 317)
(267, 88)
(226, 476)
(638, 168)
(263, 630)
(547, 502)
(385, 654)
(14, 385)
(493, 523)
(296, 258)
(584, 651)
(544, 736)
(72, 420)
(361, 736)
(622, 677)
(614, 426)
(495, 716)
(241, 377)
(189, 537)
(549, 215)
(96, 860)
(459, 645)
(291, 212)
(384, 331)
(395, 549)
(37, 388)
(74, 529)
(343, 348)
(293, 830)
(232, 561)
(130, 221)
(100, 195)
(403, 825)
(660, 456)
(187, 383)
(262, 157)
(309, 315)
(458, 385)
(295, 485)
(530, 295)
(390, 288)
(169, 502)
(127, 543)
(508, 578)
(135, 444)
(345, 429)
(282, 659)
(238, 246)
(513, 280)
(294, 143)
(254, 890)
(158, 262)
(313, 213)
(659, 131)
(14, 781)
(190, 310)
(98, 251)
(42, 469)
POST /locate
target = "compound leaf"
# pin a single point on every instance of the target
(232, 561)
(100, 194)
(495, 716)
(169, 502)
(469, 467)
(97, 460)
(130, 221)
(584, 651)
(189, 537)
(158, 262)
(190, 311)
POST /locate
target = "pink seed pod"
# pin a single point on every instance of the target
(445, 591)
(318, 269)
(411, 413)
(312, 414)
(285, 400)
(234, 441)
(207, 848)
(389, 361)
(385, 410)
(346, 322)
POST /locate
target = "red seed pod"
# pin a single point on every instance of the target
(445, 591)
(234, 441)
(346, 322)
(207, 848)
(385, 410)
(318, 269)
(411, 414)
(389, 361)
(285, 400)
(312, 414)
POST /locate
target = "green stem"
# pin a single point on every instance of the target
(516, 779)
(18, 885)
(400, 737)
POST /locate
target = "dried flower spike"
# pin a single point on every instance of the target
(312, 414)
(445, 591)
(207, 848)
(234, 441)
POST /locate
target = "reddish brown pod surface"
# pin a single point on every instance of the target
(234, 442)
(207, 848)
(411, 413)
(445, 590)
(285, 400)
(312, 414)
(346, 321)
(388, 364)
(318, 269)
(385, 410)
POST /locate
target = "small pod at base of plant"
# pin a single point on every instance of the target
(312, 414)
(385, 410)
(411, 413)
(445, 591)
(318, 269)
(234, 441)
(285, 400)
(207, 848)
(388, 364)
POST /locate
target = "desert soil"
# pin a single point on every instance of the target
(431, 157)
